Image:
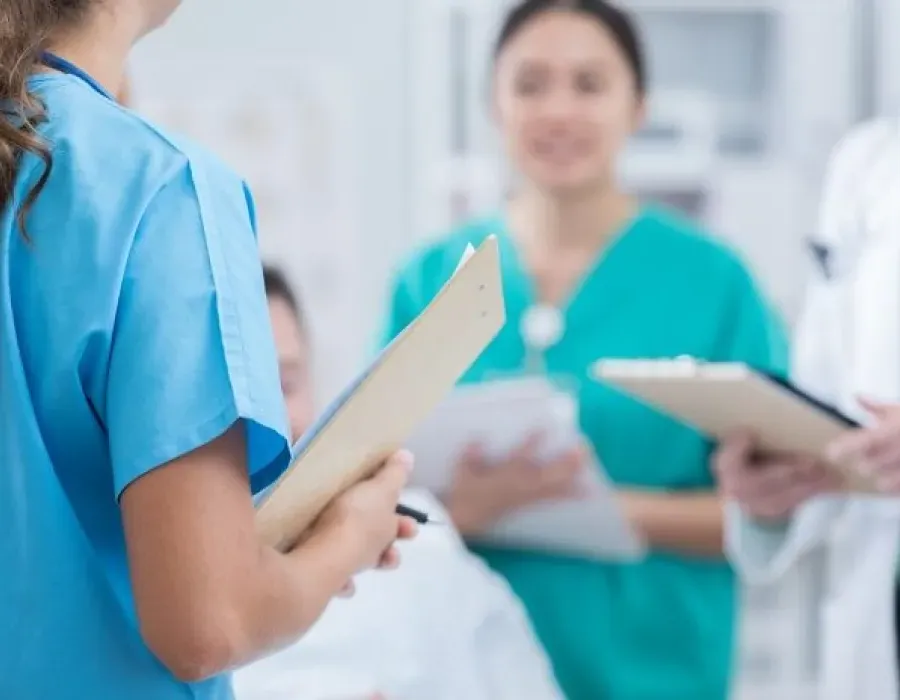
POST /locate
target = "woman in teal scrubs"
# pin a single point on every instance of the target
(590, 273)
(139, 395)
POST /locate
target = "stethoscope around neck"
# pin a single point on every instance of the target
(542, 326)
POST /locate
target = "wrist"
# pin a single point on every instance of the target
(636, 505)
(772, 523)
(334, 555)
(295, 588)
(469, 520)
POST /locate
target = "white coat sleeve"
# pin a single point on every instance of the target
(762, 552)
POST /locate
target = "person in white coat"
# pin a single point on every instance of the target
(787, 509)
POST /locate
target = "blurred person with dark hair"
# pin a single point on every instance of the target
(589, 272)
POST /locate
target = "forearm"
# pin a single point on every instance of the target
(248, 612)
(208, 595)
(688, 523)
(295, 590)
(468, 521)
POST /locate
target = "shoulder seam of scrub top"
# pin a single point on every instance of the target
(219, 266)
(226, 305)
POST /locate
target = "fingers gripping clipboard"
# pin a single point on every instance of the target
(720, 399)
(378, 412)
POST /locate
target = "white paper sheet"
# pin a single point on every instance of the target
(467, 253)
(500, 416)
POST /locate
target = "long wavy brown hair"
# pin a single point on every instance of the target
(25, 28)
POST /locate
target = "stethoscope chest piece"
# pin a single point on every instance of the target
(542, 326)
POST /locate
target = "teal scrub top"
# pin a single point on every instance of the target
(664, 628)
(133, 330)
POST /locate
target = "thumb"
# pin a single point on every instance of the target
(396, 470)
(527, 450)
(736, 448)
(878, 409)
(472, 458)
(578, 455)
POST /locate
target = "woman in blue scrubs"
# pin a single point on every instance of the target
(589, 273)
(139, 393)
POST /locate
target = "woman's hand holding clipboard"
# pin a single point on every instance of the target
(770, 486)
(724, 400)
(364, 518)
(377, 412)
(873, 451)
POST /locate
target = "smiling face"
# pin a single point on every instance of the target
(566, 100)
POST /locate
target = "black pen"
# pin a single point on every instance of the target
(417, 515)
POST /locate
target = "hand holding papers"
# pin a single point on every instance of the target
(499, 417)
(721, 399)
(376, 414)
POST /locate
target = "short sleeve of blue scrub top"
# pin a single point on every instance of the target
(192, 349)
(133, 329)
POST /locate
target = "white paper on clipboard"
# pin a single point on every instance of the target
(500, 416)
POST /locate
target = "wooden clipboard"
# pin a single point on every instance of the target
(377, 413)
(719, 399)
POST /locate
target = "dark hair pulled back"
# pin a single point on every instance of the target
(617, 22)
(278, 287)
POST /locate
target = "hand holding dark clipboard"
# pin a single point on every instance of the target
(721, 399)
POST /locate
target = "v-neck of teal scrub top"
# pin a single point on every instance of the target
(664, 628)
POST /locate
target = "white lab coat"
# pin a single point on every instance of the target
(442, 627)
(847, 344)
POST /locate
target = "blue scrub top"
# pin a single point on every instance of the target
(133, 330)
(662, 628)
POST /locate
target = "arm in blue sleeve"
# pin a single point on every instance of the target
(192, 350)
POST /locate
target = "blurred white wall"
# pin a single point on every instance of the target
(884, 35)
